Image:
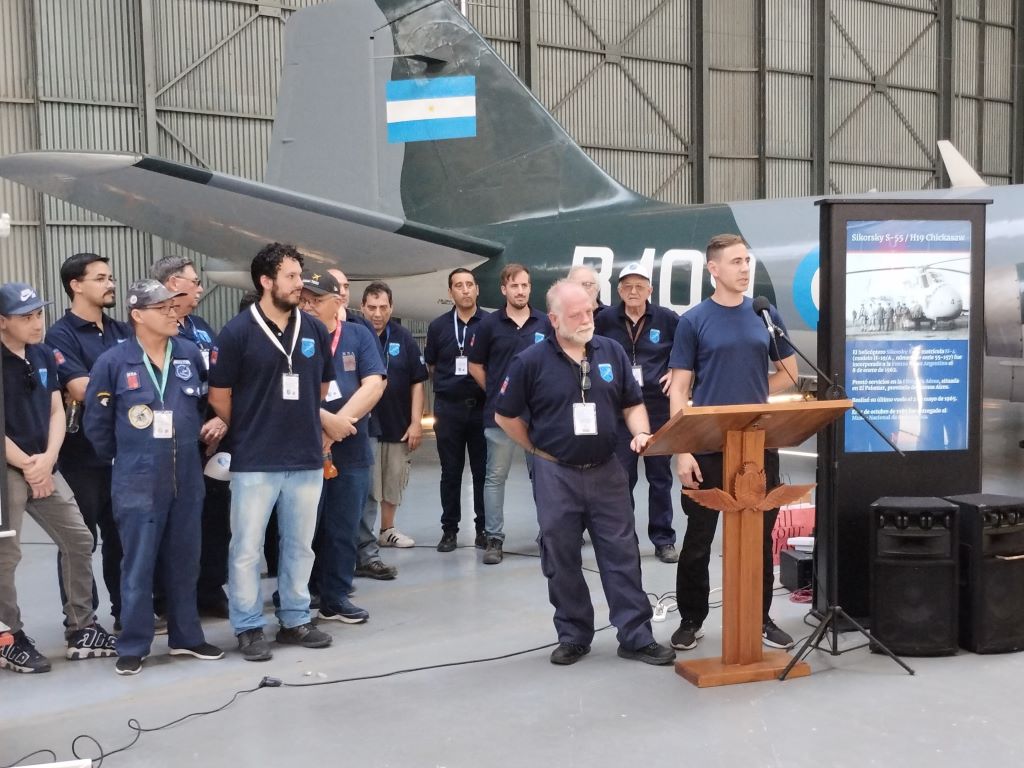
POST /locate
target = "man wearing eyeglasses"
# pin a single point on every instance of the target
(34, 430)
(78, 339)
(145, 412)
(646, 332)
(178, 274)
(587, 278)
(576, 387)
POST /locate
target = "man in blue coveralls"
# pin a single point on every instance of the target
(269, 373)
(34, 431)
(576, 387)
(358, 385)
(497, 339)
(646, 331)
(723, 351)
(458, 407)
(77, 339)
(178, 274)
(145, 411)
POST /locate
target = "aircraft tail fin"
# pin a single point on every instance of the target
(400, 106)
(960, 172)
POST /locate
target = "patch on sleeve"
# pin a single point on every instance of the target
(103, 398)
(58, 357)
(504, 386)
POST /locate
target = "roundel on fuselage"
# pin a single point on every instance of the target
(805, 289)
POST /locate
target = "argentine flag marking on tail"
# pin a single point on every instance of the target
(431, 109)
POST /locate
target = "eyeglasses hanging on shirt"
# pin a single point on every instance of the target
(584, 414)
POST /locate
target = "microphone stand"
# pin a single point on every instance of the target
(834, 614)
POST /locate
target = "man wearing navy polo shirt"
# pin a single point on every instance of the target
(358, 385)
(269, 372)
(458, 407)
(576, 387)
(646, 332)
(498, 338)
(178, 274)
(34, 423)
(398, 414)
(723, 351)
(77, 340)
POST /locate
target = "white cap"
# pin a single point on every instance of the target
(219, 466)
(634, 268)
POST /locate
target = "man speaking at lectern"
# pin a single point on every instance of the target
(723, 352)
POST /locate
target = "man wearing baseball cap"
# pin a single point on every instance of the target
(646, 332)
(344, 414)
(34, 430)
(145, 411)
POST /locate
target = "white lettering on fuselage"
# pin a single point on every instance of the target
(678, 274)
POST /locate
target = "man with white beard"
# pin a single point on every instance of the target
(576, 387)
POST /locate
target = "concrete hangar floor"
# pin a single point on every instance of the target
(854, 710)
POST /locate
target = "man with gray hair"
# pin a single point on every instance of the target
(575, 387)
(587, 277)
(178, 274)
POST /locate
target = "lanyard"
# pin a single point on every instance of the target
(387, 352)
(273, 339)
(635, 336)
(455, 321)
(336, 338)
(160, 385)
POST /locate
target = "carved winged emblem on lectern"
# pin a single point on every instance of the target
(749, 493)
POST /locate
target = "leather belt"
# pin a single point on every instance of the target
(548, 457)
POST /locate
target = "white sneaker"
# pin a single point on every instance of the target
(392, 537)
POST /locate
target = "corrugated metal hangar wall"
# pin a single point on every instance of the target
(683, 100)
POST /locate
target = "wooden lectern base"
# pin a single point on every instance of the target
(707, 673)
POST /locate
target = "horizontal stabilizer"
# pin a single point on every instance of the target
(232, 218)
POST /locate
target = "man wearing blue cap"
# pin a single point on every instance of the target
(34, 431)
(145, 411)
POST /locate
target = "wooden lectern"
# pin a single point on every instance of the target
(742, 432)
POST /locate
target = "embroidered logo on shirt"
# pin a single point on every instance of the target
(131, 379)
(504, 386)
(394, 348)
(183, 369)
(538, 337)
(655, 335)
(103, 398)
(213, 356)
(58, 356)
(605, 369)
(44, 376)
(203, 336)
(308, 347)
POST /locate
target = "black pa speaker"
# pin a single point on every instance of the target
(914, 575)
(991, 572)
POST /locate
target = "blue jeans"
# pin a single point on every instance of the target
(253, 495)
(500, 450)
(343, 501)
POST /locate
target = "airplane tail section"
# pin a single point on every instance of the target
(960, 172)
(399, 106)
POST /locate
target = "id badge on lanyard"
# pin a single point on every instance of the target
(584, 418)
(163, 424)
(290, 380)
(461, 362)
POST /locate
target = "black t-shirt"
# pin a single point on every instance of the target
(29, 385)
(405, 367)
(444, 344)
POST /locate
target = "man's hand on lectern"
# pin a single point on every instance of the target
(688, 471)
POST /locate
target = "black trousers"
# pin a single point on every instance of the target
(458, 428)
(216, 527)
(92, 493)
(692, 581)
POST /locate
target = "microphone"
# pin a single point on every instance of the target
(761, 307)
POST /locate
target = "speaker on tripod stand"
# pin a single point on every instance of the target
(991, 572)
(914, 575)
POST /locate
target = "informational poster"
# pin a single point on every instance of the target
(908, 301)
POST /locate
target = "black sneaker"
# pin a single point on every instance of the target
(568, 653)
(493, 555)
(375, 569)
(652, 653)
(129, 665)
(203, 651)
(22, 656)
(480, 542)
(305, 635)
(667, 553)
(254, 645)
(448, 542)
(773, 637)
(685, 638)
(345, 611)
(90, 643)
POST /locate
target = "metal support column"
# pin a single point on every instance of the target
(699, 99)
(762, 99)
(150, 139)
(527, 40)
(947, 22)
(1017, 147)
(821, 15)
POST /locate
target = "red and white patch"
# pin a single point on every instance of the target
(58, 357)
(504, 386)
(131, 379)
(213, 356)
